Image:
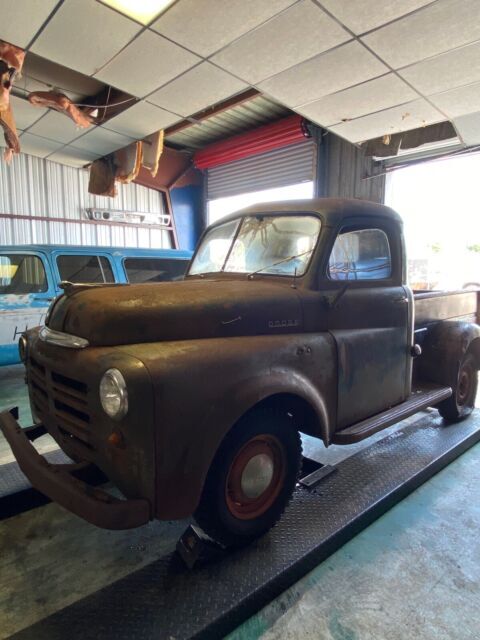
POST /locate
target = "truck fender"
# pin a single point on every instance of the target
(444, 347)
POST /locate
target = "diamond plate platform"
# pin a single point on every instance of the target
(166, 600)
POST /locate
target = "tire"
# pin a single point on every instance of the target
(251, 479)
(462, 402)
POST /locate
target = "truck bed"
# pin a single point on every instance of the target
(434, 306)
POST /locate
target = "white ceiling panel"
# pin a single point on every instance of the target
(24, 113)
(16, 27)
(441, 26)
(205, 26)
(56, 126)
(459, 101)
(363, 15)
(146, 64)
(73, 157)
(468, 127)
(197, 89)
(36, 146)
(403, 118)
(374, 95)
(84, 35)
(332, 71)
(101, 141)
(141, 120)
(286, 40)
(446, 71)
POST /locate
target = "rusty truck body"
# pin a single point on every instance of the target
(190, 396)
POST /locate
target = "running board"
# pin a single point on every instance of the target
(420, 399)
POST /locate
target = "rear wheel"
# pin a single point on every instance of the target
(251, 479)
(462, 401)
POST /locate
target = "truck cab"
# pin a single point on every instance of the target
(190, 396)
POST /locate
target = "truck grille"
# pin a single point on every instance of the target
(63, 399)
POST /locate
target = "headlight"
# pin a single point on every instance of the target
(113, 394)
(22, 348)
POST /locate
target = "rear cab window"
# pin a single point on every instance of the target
(140, 270)
(21, 274)
(85, 269)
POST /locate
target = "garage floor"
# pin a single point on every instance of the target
(414, 573)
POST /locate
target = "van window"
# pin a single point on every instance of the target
(154, 269)
(22, 274)
(85, 269)
(363, 254)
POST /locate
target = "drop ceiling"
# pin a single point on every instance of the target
(361, 69)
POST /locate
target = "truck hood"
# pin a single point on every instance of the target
(185, 310)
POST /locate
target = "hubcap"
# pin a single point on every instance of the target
(255, 477)
(463, 388)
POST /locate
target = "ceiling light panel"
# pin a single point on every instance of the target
(84, 35)
(332, 71)
(146, 64)
(412, 115)
(56, 126)
(438, 27)
(205, 26)
(282, 42)
(374, 95)
(364, 15)
(197, 89)
(141, 120)
(21, 19)
(143, 11)
(101, 141)
(24, 113)
(468, 127)
(446, 71)
(36, 146)
(459, 101)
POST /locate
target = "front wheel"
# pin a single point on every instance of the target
(462, 401)
(251, 479)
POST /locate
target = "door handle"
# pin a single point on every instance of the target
(402, 300)
(43, 299)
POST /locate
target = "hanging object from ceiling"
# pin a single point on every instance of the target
(11, 62)
(59, 101)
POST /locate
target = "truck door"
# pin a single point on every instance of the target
(368, 316)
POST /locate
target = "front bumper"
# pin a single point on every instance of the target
(58, 483)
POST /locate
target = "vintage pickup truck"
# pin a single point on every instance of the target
(190, 396)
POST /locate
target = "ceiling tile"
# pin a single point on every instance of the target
(197, 89)
(363, 15)
(146, 64)
(446, 71)
(101, 141)
(374, 95)
(459, 101)
(24, 113)
(73, 157)
(332, 71)
(56, 126)
(36, 146)
(402, 118)
(282, 42)
(84, 35)
(205, 26)
(141, 120)
(441, 26)
(16, 28)
(468, 127)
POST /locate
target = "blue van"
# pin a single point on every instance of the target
(30, 276)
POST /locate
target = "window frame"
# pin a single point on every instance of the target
(73, 254)
(45, 266)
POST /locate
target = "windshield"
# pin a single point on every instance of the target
(21, 274)
(277, 245)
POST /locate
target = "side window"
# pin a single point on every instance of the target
(363, 254)
(154, 269)
(22, 274)
(85, 269)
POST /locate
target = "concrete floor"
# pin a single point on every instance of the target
(414, 573)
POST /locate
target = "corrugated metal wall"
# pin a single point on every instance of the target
(35, 187)
(345, 170)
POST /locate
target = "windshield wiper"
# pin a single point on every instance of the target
(269, 266)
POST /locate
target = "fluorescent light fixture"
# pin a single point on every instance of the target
(143, 11)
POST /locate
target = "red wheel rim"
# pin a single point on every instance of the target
(255, 477)
(464, 385)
